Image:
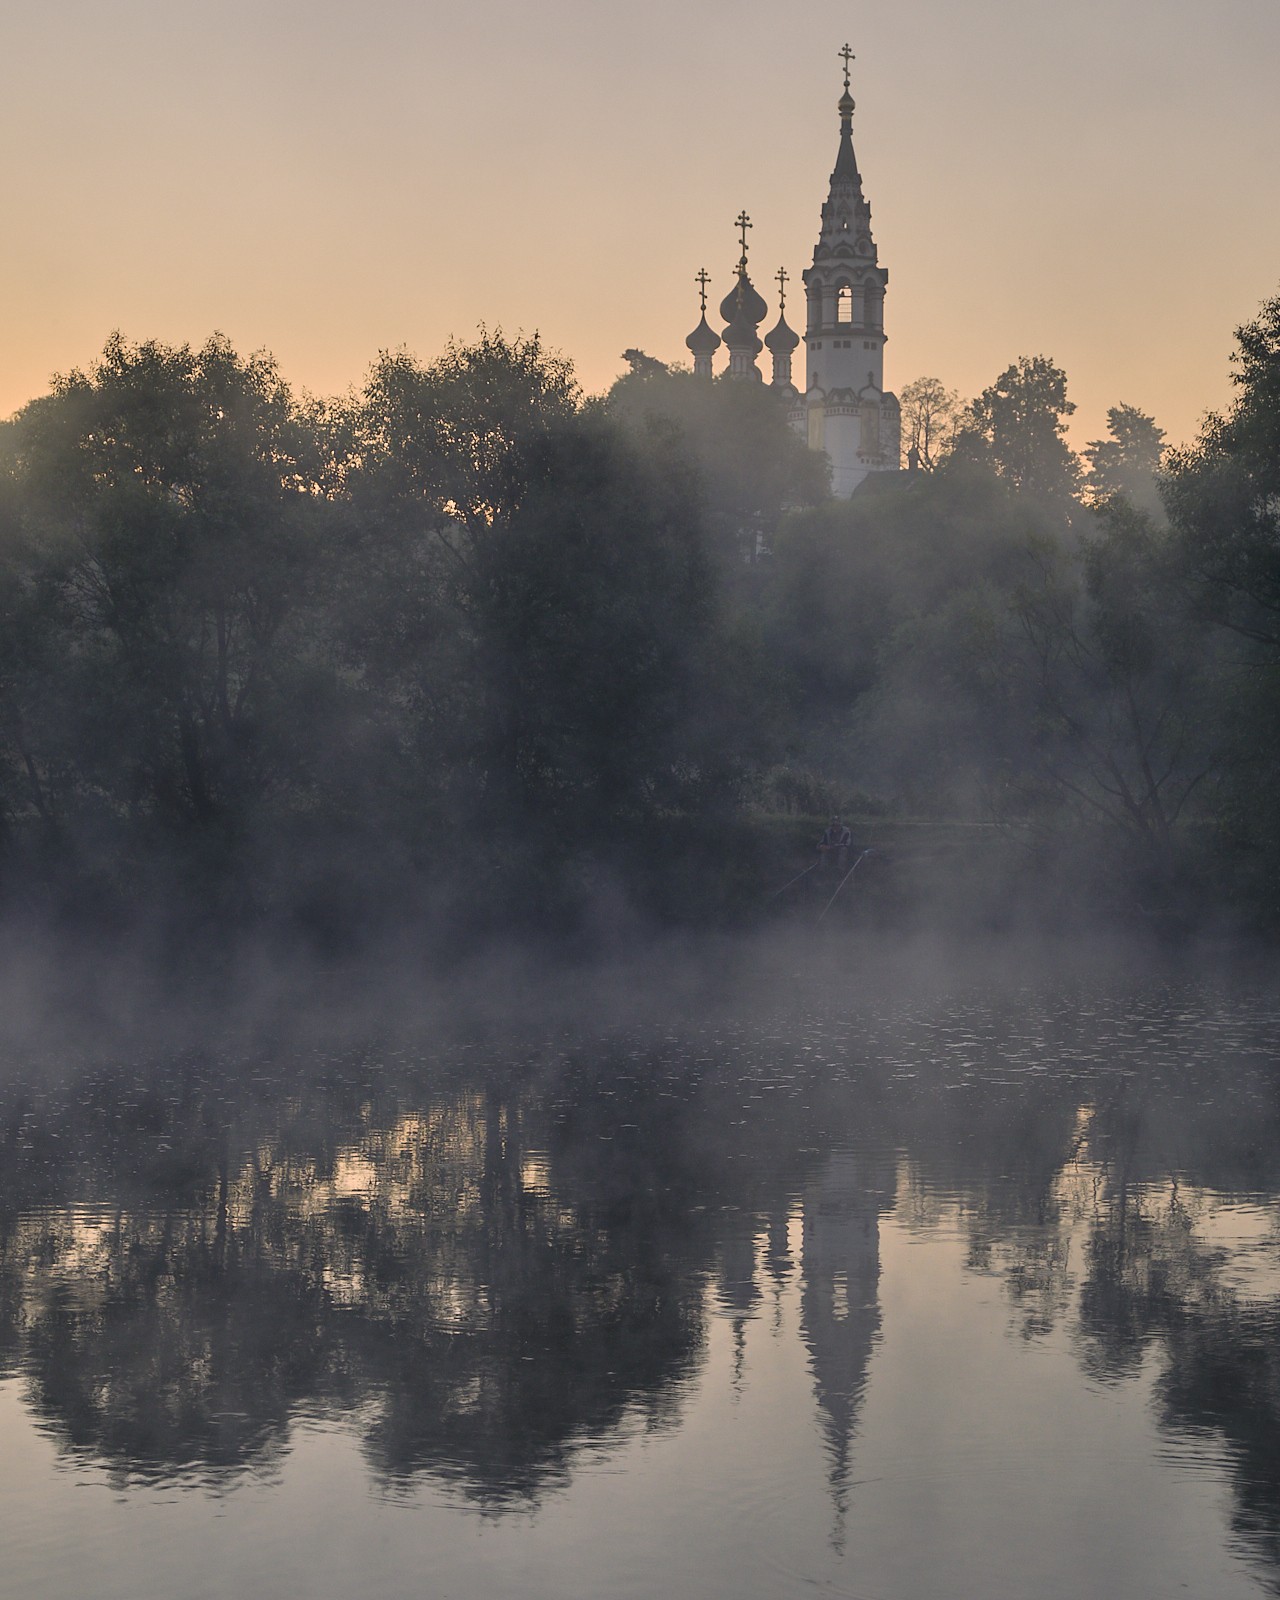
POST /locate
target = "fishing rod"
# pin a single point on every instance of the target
(796, 879)
(842, 883)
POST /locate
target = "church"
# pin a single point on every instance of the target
(843, 409)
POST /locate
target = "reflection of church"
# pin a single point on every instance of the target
(839, 1291)
(843, 409)
(839, 1298)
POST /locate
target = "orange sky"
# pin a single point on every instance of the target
(1093, 181)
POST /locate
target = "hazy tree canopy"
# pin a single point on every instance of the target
(847, 575)
(1019, 425)
(456, 634)
(1083, 686)
(749, 462)
(469, 647)
(458, 430)
(168, 512)
(931, 414)
(1127, 461)
(1224, 492)
(1223, 496)
(547, 614)
(645, 366)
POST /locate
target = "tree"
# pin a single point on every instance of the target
(544, 614)
(645, 366)
(456, 434)
(930, 417)
(1019, 425)
(1127, 461)
(1073, 696)
(1223, 498)
(168, 505)
(1223, 493)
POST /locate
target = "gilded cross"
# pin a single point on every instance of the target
(846, 55)
(782, 289)
(743, 222)
(702, 280)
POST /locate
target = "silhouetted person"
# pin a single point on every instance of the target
(833, 847)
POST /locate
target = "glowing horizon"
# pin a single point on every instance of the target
(1097, 187)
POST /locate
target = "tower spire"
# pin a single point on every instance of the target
(846, 166)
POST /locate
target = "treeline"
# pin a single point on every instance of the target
(455, 649)
(1080, 650)
(470, 649)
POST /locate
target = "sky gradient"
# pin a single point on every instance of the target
(1095, 182)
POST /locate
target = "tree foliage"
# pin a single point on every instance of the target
(1127, 461)
(1224, 492)
(931, 415)
(1019, 425)
(166, 536)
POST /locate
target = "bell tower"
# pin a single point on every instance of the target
(848, 412)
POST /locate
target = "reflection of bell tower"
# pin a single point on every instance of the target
(839, 1303)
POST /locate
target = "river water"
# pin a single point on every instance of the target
(889, 1290)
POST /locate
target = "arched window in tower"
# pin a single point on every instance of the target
(844, 303)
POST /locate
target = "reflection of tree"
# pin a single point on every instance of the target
(1157, 1279)
(1224, 1377)
(148, 1349)
(426, 1268)
(995, 1145)
(1082, 1159)
(482, 1276)
(485, 1273)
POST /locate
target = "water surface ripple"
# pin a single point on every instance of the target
(972, 1292)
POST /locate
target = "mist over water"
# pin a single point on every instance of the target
(736, 1266)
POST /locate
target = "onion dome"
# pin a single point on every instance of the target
(743, 304)
(740, 332)
(781, 340)
(704, 340)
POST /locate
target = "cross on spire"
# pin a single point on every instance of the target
(782, 280)
(742, 221)
(846, 55)
(702, 280)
